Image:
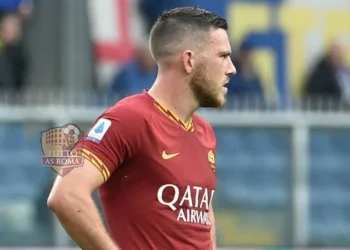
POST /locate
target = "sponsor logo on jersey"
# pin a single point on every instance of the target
(99, 130)
(57, 144)
(190, 206)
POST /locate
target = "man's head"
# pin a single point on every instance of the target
(195, 43)
(10, 28)
(245, 59)
(337, 52)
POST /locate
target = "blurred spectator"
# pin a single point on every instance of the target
(26, 9)
(23, 7)
(13, 60)
(330, 78)
(246, 84)
(136, 75)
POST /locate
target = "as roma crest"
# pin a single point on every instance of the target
(57, 145)
(211, 159)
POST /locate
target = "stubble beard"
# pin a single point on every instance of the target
(203, 88)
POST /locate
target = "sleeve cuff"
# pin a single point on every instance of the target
(97, 163)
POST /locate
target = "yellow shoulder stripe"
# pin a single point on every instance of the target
(97, 163)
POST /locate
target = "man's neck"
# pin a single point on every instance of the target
(176, 97)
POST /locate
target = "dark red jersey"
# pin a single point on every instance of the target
(159, 175)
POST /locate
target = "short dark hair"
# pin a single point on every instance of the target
(175, 25)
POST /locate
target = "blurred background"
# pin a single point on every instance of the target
(283, 137)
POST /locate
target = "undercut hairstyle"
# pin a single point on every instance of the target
(175, 26)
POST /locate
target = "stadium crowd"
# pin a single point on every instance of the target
(327, 81)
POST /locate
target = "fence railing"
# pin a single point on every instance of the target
(44, 97)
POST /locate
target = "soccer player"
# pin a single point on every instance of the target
(151, 158)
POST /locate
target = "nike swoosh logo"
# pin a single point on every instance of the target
(166, 156)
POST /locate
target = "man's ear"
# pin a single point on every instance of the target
(188, 61)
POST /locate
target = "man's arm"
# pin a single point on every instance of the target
(107, 146)
(213, 228)
(71, 201)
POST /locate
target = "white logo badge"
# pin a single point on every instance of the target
(99, 130)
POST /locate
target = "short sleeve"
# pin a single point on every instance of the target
(115, 137)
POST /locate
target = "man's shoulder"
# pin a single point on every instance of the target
(131, 111)
(204, 130)
(198, 120)
(132, 105)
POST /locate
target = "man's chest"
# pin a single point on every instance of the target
(183, 161)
